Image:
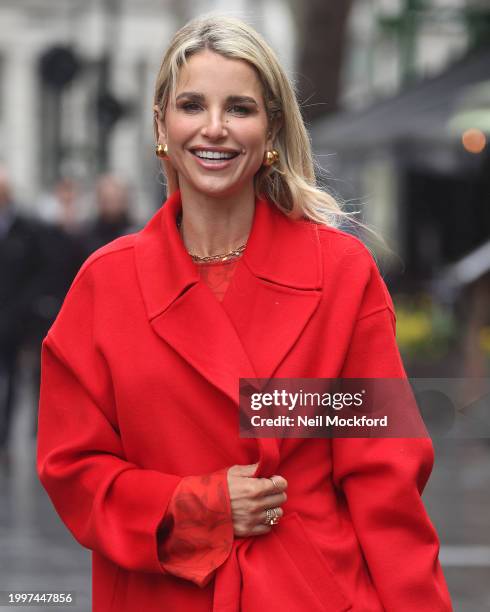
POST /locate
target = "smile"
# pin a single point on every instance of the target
(214, 154)
(214, 160)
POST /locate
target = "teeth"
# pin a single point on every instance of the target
(214, 155)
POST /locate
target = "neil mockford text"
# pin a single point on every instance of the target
(283, 399)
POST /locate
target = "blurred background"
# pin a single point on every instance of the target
(396, 96)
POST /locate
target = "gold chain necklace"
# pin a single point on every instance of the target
(210, 258)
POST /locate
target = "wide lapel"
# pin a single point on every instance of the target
(276, 287)
(182, 310)
(274, 292)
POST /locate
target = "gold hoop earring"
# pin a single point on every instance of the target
(271, 157)
(161, 151)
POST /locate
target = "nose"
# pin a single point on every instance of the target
(214, 126)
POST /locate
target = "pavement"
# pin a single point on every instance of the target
(37, 552)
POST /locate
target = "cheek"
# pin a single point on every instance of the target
(176, 134)
(258, 151)
(176, 128)
(257, 158)
(254, 143)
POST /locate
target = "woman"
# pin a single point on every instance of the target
(240, 274)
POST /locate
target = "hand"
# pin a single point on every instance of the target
(250, 497)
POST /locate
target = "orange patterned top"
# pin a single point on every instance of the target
(217, 275)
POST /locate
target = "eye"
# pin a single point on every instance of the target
(190, 106)
(241, 110)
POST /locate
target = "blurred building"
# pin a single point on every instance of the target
(411, 151)
(77, 79)
(413, 137)
(395, 42)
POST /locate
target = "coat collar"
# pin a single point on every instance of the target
(279, 250)
(274, 292)
(275, 289)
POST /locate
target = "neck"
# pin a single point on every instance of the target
(212, 226)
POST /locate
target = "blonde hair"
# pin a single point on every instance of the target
(291, 182)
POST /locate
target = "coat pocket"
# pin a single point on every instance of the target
(285, 571)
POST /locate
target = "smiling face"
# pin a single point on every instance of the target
(217, 131)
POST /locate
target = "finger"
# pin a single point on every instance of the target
(270, 501)
(262, 519)
(245, 470)
(260, 530)
(265, 486)
(278, 512)
(279, 482)
(254, 531)
(265, 517)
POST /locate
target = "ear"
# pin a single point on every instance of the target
(159, 125)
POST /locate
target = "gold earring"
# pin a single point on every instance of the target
(161, 150)
(271, 157)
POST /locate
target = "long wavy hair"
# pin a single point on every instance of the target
(290, 183)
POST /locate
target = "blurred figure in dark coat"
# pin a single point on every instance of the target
(62, 255)
(113, 217)
(20, 263)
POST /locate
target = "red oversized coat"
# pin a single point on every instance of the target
(140, 389)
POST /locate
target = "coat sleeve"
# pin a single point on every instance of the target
(383, 479)
(110, 505)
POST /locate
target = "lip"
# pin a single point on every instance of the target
(214, 165)
(214, 149)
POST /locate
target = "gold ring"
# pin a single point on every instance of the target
(272, 516)
(276, 486)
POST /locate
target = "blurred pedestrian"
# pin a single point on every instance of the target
(112, 217)
(61, 205)
(20, 263)
(61, 255)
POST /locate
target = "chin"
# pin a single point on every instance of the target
(219, 190)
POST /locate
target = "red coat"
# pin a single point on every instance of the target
(140, 388)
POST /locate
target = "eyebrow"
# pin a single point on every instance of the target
(199, 97)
